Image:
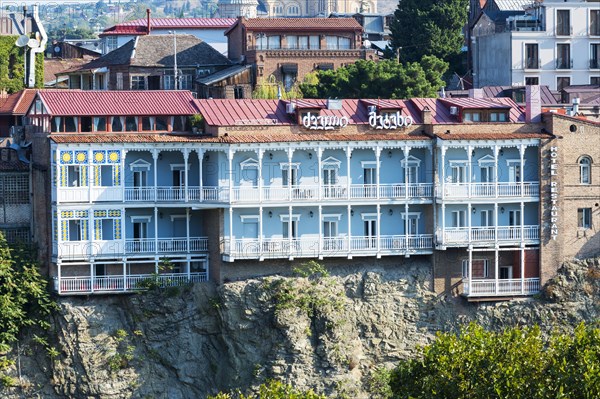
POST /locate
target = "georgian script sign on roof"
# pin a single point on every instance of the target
(389, 121)
(324, 122)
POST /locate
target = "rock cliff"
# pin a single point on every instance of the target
(328, 334)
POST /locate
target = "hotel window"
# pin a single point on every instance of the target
(479, 267)
(289, 230)
(293, 10)
(75, 230)
(117, 124)
(514, 217)
(74, 176)
(131, 123)
(532, 60)
(532, 81)
(261, 41)
(514, 170)
(99, 124)
(595, 80)
(562, 82)
(249, 172)
(595, 55)
(119, 80)
(470, 116)
(563, 23)
(411, 166)
(249, 227)
(238, 92)
(337, 43)
(563, 56)
(458, 173)
(169, 82)
(273, 42)
(595, 22)
(584, 218)
(487, 218)
(111, 43)
(138, 83)
(314, 42)
(64, 124)
(459, 218)
(185, 82)
(289, 178)
(139, 170)
(498, 117)
(277, 9)
(585, 166)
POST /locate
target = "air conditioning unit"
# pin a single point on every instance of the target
(372, 108)
(453, 110)
(290, 108)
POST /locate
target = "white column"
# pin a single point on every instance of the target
(57, 178)
(290, 155)
(470, 269)
(186, 156)
(320, 215)
(378, 226)
(290, 228)
(230, 154)
(442, 171)
(124, 276)
(443, 223)
(90, 177)
(319, 178)
(155, 153)
(187, 229)
(522, 269)
(406, 220)
(522, 222)
(92, 280)
(123, 173)
(522, 165)
(200, 153)
(59, 266)
(348, 178)
(377, 185)
(496, 150)
(469, 222)
(260, 231)
(155, 230)
(470, 170)
(496, 224)
(406, 152)
(231, 243)
(349, 232)
(260, 153)
(496, 274)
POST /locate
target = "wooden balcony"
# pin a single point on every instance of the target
(327, 246)
(501, 287)
(529, 190)
(122, 283)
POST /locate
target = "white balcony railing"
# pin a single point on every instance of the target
(501, 287)
(489, 190)
(84, 249)
(328, 246)
(464, 235)
(123, 283)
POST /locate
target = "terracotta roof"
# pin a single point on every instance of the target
(157, 51)
(18, 103)
(138, 26)
(492, 136)
(119, 102)
(231, 139)
(299, 24)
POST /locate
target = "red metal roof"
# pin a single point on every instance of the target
(440, 108)
(121, 102)
(299, 24)
(138, 26)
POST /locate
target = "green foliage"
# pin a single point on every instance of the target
(429, 27)
(518, 363)
(311, 269)
(378, 384)
(125, 352)
(273, 389)
(11, 64)
(384, 79)
(270, 89)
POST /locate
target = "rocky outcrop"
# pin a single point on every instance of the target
(328, 334)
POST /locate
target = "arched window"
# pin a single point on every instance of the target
(585, 170)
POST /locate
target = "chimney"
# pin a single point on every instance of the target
(148, 29)
(533, 104)
(426, 116)
(476, 93)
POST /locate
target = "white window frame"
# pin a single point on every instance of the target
(586, 218)
(459, 165)
(516, 164)
(585, 170)
(412, 216)
(486, 268)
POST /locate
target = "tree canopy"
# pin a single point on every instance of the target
(519, 363)
(429, 27)
(384, 79)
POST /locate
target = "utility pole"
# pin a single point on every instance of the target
(176, 85)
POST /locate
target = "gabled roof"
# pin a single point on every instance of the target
(139, 26)
(118, 102)
(17, 103)
(298, 24)
(157, 51)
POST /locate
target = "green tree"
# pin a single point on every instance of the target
(384, 79)
(24, 299)
(518, 363)
(429, 27)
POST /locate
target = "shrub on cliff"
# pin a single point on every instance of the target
(271, 390)
(518, 363)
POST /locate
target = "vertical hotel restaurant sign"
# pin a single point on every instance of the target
(553, 169)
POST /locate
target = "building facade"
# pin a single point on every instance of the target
(464, 183)
(290, 48)
(553, 43)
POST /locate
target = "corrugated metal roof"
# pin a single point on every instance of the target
(18, 103)
(120, 102)
(139, 26)
(513, 5)
(224, 74)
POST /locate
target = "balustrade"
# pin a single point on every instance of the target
(499, 287)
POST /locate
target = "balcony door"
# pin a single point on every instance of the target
(412, 224)
(514, 220)
(289, 176)
(370, 232)
(330, 180)
(514, 171)
(458, 173)
(369, 179)
(290, 231)
(140, 230)
(459, 218)
(330, 232)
